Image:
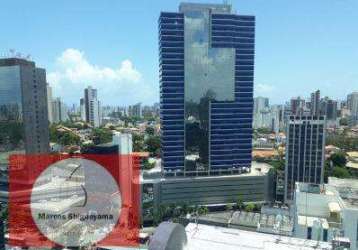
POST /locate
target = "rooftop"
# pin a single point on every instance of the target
(210, 238)
(352, 159)
(326, 201)
(215, 8)
(347, 190)
(15, 61)
(352, 164)
(257, 169)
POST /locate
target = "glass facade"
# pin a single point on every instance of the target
(10, 94)
(209, 77)
(206, 78)
(23, 106)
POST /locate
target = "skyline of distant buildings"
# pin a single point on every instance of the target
(274, 116)
(209, 119)
(264, 114)
(135, 110)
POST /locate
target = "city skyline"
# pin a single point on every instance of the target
(129, 66)
(133, 122)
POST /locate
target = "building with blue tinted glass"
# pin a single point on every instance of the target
(206, 89)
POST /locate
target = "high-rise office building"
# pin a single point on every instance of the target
(92, 106)
(23, 102)
(297, 106)
(266, 116)
(305, 141)
(261, 103)
(206, 89)
(49, 103)
(315, 103)
(59, 111)
(352, 102)
(352, 105)
(83, 109)
(135, 110)
(328, 108)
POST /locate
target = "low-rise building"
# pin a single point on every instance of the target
(327, 211)
(197, 236)
(352, 162)
(254, 186)
(272, 222)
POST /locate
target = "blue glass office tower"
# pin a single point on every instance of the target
(206, 89)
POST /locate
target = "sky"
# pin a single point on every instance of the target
(112, 45)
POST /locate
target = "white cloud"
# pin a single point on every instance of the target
(121, 85)
(264, 88)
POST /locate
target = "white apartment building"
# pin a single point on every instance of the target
(124, 142)
(92, 105)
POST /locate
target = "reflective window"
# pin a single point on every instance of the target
(10, 93)
(209, 76)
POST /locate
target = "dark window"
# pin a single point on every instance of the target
(325, 234)
(309, 233)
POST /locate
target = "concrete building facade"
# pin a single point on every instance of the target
(305, 141)
(92, 106)
(327, 212)
(254, 186)
(59, 111)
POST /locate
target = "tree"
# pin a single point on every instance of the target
(11, 132)
(202, 210)
(343, 121)
(148, 165)
(101, 135)
(338, 159)
(340, 172)
(278, 164)
(4, 214)
(239, 203)
(65, 138)
(153, 145)
(257, 207)
(177, 212)
(149, 130)
(342, 141)
(86, 147)
(250, 207)
(138, 142)
(185, 208)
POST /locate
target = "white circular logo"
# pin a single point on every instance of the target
(75, 202)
